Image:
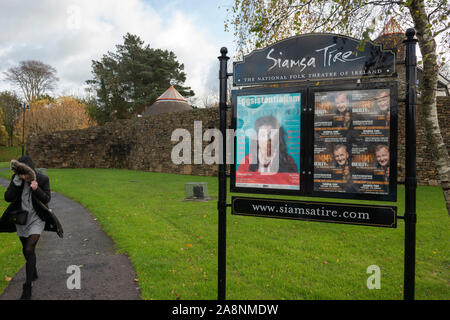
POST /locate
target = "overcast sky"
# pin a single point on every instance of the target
(68, 35)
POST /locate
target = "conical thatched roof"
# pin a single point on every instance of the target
(170, 101)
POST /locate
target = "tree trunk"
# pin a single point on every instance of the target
(428, 91)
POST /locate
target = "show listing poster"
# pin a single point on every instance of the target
(268, 141)
(351, 141)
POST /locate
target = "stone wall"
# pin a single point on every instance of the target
(145, 144)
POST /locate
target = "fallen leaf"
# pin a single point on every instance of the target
(8, 279)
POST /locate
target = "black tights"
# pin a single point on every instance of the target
(28, 246)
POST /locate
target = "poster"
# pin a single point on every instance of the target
(268, 141)
(351, 141)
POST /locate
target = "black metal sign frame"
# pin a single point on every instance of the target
(342, 213)
(314, 57)
(302, 90)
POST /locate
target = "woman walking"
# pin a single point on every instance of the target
(29, 193)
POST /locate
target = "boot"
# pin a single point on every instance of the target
(26, 292)
(35, 275)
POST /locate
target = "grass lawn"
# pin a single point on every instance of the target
(11, 258)
(173, 244)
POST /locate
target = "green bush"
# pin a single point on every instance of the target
(9, 153)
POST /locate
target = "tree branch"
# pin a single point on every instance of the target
(442, 30)
(385, 3)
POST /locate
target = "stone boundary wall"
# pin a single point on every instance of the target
(145, 144)
(426, 172)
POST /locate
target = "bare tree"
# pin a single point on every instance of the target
(258, 23)
(33, 77)
(11, 107)
(210, 99)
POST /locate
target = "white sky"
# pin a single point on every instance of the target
(68, 35)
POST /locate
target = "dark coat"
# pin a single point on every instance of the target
(40, 198)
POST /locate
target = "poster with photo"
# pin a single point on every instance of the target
(268, 141)
(351, 141)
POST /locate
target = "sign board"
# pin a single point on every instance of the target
(355, 141)
(314, 57)
(365, 215)
(349, 153)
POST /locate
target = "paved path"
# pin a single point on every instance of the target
(105, 275)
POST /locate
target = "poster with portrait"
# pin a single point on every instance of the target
(351, 141)
(267, 153)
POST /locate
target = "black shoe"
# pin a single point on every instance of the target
(26, 292)
(35, 275)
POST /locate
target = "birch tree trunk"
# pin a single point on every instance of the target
(427, 45)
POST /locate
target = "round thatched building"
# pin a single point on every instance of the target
(170, 101)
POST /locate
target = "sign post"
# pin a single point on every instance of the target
(322, 151)
(222, 202)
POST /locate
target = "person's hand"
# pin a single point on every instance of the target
(34, 185)
(17, 180)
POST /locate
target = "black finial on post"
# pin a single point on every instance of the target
(410, 164)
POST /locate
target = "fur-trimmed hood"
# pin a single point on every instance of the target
(24, 168)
